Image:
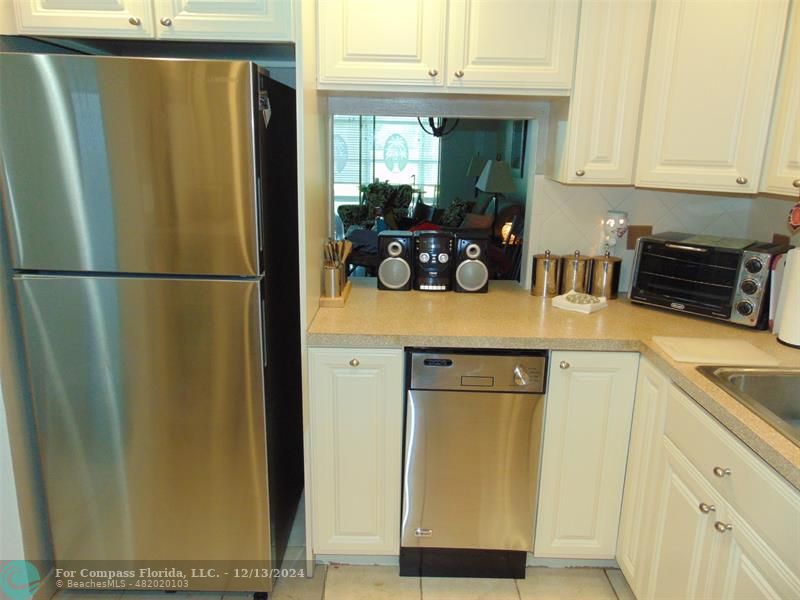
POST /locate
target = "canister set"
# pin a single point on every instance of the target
(554, 275)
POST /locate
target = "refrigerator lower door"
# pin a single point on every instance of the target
(149, 404)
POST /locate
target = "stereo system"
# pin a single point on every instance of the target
(433, 261)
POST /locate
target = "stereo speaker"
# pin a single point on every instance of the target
(471, 270)
(395, 252)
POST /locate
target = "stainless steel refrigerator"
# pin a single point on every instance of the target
(150, 210)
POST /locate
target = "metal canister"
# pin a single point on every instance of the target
(545, 275)
(575, 273)
(605, 275)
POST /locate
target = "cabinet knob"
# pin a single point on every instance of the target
(741, 180)
(166, 21)
(796, 183)
(580, 172)
(564, 364)
(722, 527)
(354, 362)
(433, 72)
(135, 21)
(721, 472)
(707, 508)
(459, 73)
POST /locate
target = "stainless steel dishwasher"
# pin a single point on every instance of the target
(471, 462)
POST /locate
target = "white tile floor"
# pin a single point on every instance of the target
(348, 582)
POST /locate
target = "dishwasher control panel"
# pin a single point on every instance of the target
(522, 372)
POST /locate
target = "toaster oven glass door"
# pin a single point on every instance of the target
(699, 277)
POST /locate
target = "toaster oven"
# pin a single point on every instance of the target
(721, 278)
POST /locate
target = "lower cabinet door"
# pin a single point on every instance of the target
(587, 428)
(684, 543)
(356, 406)
(747, 568)
(641, 479)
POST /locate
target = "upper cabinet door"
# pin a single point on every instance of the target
(256, 20)
(513, 46)
(86, 18)
(381, 42)
(603, 114)
(710, 87)
(782, 167)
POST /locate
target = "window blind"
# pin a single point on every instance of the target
(393, 149)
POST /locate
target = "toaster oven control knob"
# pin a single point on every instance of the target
(753, 265)
(745, 308)
(749, 286)
(424, 257)
(521, 376)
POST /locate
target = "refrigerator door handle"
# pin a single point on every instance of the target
(264, 333)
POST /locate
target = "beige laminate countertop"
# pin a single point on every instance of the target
(509, 317)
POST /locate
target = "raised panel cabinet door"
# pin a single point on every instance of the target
(586, 432)
(641, 482)
(710, 87)
(782, 166)
(356, 403)
(747, 568)
(604, 108)
(254, 20)
(381, 42)
(86, 18)
(511, 46)
(682, 516)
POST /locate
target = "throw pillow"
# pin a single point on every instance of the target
(473, 221)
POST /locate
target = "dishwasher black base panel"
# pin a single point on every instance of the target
(462, 562)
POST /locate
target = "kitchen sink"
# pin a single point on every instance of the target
(771, 393)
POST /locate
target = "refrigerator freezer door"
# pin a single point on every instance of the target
(148, 398)
(129, 165)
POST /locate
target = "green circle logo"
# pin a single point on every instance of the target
(19, 580)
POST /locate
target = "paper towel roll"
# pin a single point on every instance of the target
(788, 315)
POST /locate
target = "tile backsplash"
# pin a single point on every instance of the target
(568, 218)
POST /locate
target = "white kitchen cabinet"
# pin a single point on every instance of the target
(702, 517)
(254, 20)
(594, 132)
(586, 432)
(381, 42)
(492, 46)
(684, 540)
(710, 87)
(86, 18)
(747, 568)
(356, 405)
(782, 164)
(510, 45)
(642, 478)
(268, 20)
